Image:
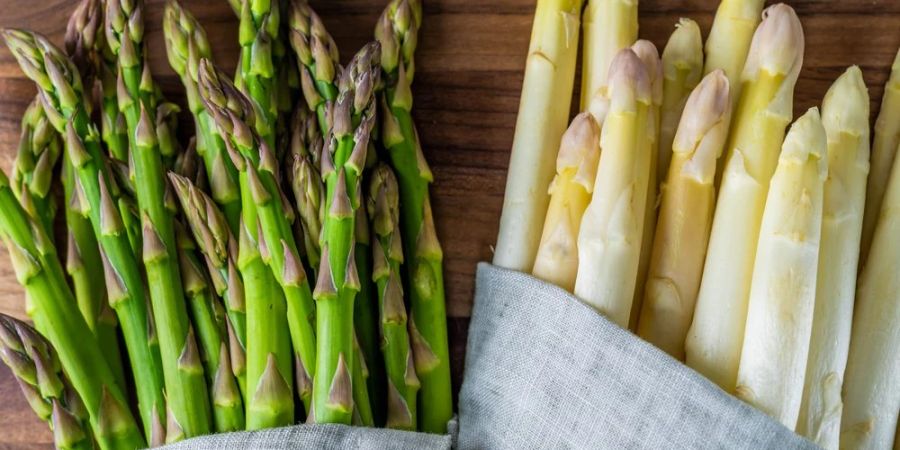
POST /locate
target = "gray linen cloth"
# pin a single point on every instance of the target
(336, 437)
(545, 371)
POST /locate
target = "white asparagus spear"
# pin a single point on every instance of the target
(543, 115)
(685, 217)
(871, 392)
(729, 39)
(682, 62)
(845, 116)
(884, 148)
(609, 26)
(570, 192)
(783, 290)
(647, 52)
(713, 345)
(609, 242)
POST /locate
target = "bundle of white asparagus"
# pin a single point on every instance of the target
(685, 208)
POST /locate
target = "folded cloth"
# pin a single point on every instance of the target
(543, 370)
(325, 437)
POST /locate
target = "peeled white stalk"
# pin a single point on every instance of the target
(729, 39)
(845, 116)
(570, 192)
(647, 52)
(685, 217)
(884, 148)
(609, 242)
(682, 62)
(713, 345)
(783, 291)
(543, 115)
(871, 390)
(609, 26)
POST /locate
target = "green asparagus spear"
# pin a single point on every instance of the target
(36, 367)
(227, 407)
(188, 403)
(220, 250)
(384, 210)
(342, 163)
(306, 182)
(85, 44)
(397, 30)
(365, 320)
(64, 102)
(269, 359)
(32, 177)
(257, 34)
(256, 162)
(317, 59)
(186, 44)
(52, 307)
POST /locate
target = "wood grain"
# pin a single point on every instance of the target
(468, 76)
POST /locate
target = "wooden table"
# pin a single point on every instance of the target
(468, 76)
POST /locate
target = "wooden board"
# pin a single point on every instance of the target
(468, 76)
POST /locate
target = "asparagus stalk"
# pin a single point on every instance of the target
(238, 120)
(188, 403)
(36, 367)
(85, 43)
(609, 241)
(85, 268)
(338, 284)
(543, 114)
(227, 408)
(186, 45)
(53, 309)
(682, 63)
(609, 26)
(713, 345)
(730, 40)
(871, 395)
(402, 383)
(63, 100)
(422, 251)
(884, 148)
(306, 182)
(685, 217)
(220, 250)
(646, 51)
(257, 34)
(362, 405)
(845, 116)
(112, 119)
(32, 176)
(365, 324)
(570, 192)
(783, 290)
(257, 165)
(317, 59)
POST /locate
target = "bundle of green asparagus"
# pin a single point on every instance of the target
(754, 286)
(279, 264)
